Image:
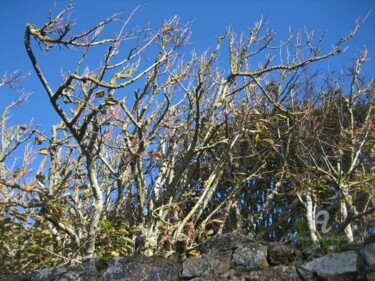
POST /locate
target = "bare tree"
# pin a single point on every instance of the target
(153, 146)
(341, 145)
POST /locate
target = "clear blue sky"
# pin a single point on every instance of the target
(211, 18)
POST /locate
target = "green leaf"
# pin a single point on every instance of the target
(46, 231)
(100, 94)
(37, 249)
(124, 239)
(41, 178)
(111, 101)
(83, 186)
(269, 141)
(134, 229)
(38, 140)
(38, 218)
(43, 151)
(122, 231)
(281, 117)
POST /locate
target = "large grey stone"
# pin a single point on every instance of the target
(91, 269)
(368, 253)
(141, 268)
(276, 273)
(194, 267)
(333, 264)
(282, 254)
(223, 242)
(250, 256)
(370, 276)
(61, 274)
(218, 263)
(210, 264)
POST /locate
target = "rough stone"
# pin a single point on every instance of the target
(218, 263)
(276, 273)
(141, 268)
(368, 253)
(223, 242)
(61, 274)
(211, 264)
(92, 269)
(250, 256)
(282, 254)
(333, 264)
(226, 257)
(194, 267)
(370, 276)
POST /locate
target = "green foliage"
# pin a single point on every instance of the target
(331, 242)
(303, 235)
(114, 239)
(24, 249)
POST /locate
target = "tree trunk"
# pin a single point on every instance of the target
(348, 229)
(97, 208)
(310, 217)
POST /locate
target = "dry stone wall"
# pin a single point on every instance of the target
(226, 257)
